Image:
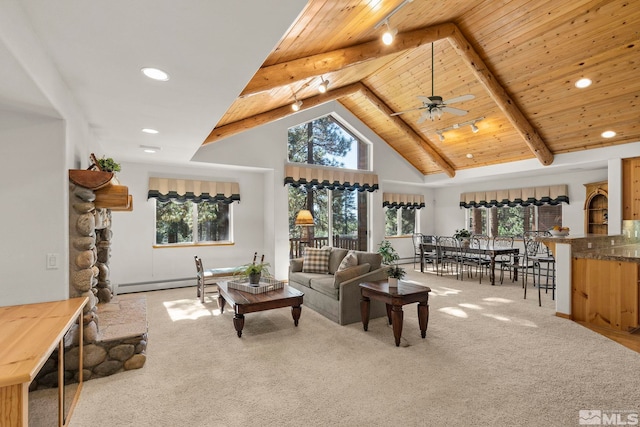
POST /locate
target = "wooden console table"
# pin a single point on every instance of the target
(29, 334)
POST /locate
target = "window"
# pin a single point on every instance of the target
(513, 221)
(190, 223)
(400, 222)
(340, 215)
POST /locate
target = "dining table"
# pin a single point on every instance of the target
(489, 250)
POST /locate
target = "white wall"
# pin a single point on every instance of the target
(33, 214)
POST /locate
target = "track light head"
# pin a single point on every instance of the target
(389, 35)
(440, 136)
(474, 128)
(296, 105)
(324, 85)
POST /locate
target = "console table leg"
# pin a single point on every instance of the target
(238, 323)
(364, 312)
(295, 312)
(397, 315)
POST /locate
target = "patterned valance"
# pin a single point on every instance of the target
(551, 195)
(180, 190)
(407, 201)
(330, 178)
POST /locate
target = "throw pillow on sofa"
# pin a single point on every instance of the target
(350, 273)
(316, 260)
(351, 260)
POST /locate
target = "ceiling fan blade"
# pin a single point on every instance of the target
(456, 111)
(408, 111)
(460, 99)
(424, 99)
(424, 116)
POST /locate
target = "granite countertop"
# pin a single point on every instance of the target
(624, 253)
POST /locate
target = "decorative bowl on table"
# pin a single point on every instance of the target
(559, 233)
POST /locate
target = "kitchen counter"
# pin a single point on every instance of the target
(623, 253)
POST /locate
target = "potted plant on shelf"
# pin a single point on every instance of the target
(108, 164)
(390, 258)
(254, 271)
(463, 236)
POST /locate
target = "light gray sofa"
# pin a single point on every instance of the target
(336, 294)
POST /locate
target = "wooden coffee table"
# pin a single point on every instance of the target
(245, 302)
(395, 298)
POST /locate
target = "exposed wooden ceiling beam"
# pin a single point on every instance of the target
(285, 73)
(409, 132)
(289, 72)
(501, 98)
(278, 113)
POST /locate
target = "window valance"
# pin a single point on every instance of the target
(407, 201)
(551, 195)
(181, 190)
(330, 178)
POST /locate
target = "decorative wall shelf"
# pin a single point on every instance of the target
(109, 193)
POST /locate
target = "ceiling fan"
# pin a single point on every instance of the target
(434, 106)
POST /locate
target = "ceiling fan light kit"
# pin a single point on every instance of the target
(433, 105)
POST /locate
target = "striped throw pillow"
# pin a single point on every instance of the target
(316, 260)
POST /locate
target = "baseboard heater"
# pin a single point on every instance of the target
(153, 285)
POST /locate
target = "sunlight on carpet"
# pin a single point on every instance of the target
(185, 309)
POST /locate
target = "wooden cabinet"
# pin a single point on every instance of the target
(596, 208)
(631, 188)
(605, 293)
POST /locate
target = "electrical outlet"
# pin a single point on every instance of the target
(52, 261)
(613, 242)
(589, 245)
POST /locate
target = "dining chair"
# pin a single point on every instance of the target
(471, 260)
(417, 239)
(506, 262)
(538, 258)
(450, 254)
(431, 256)
(203, 279)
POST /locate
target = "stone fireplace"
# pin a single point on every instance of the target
(115, 330)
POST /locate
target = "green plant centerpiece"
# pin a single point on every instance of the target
(463, 235)
(390, 258)
(255, 270)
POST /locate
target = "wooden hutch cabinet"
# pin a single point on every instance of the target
(596, 208)
(631, 188)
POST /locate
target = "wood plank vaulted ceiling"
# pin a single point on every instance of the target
(520, 59)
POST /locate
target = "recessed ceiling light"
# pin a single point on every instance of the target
(150, 149)
(149, 130)
(155, 74)
(608, 134)
(469, 156)
(582, 83)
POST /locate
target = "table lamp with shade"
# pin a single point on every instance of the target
(304, 219)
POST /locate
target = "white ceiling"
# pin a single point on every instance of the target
(210, 48)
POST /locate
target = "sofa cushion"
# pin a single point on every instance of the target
(316, 260)
(324, 285)
(350, 273)
(305, 278)
(336, 257)
(373, 258)
(350, 260)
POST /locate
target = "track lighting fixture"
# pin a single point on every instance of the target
(471, 123)
(296, 105)
(324, 85)
(390, 34)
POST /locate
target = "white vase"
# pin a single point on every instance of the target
(393, 282)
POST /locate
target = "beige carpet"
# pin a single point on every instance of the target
(490, 358)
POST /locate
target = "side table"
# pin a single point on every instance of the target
(395, 298)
